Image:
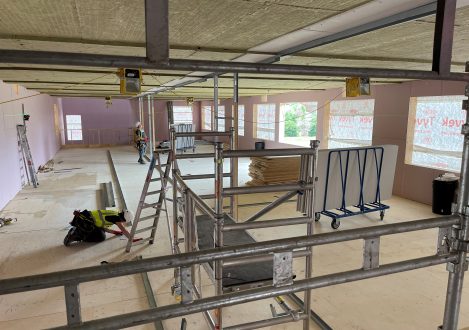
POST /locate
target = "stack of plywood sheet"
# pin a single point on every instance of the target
(272, 170)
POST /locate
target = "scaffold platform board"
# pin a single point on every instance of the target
(239, 276)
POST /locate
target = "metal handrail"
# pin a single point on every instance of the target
(200, 134)
(74, 276)
(199, 202)
(230, 299)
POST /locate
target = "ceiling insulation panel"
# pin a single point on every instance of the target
(224, 23)
(412, 39)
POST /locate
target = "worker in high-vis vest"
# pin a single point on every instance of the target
(105, 219)
(92, 226)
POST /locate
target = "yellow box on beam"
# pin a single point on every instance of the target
(357, 86)
(130, 81)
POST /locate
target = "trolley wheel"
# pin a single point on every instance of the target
(381, 215)
(317, 216)
(335, 223)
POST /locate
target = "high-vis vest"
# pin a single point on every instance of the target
(99, 217)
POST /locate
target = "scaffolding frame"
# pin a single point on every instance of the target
(452, 242)
(305, 188)
(451, 249)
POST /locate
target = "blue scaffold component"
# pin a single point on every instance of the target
(362, 207)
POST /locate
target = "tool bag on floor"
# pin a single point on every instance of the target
(85, 229)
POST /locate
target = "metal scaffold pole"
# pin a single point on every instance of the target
(150, 123)
(460, 239)
(218, 234)
(140, 110)
(235, 144)
(174, 167)
(233, 173)
(215, 104)
(312, 162)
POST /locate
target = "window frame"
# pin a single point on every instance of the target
(75, 130)
(241, 121)
(270, 130)
(221, 113)
(281, 127)
(176, 121)
(411, 146)
(207, 125)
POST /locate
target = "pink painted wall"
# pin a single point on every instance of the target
(390, 125)
(102, 125)
(43, 141)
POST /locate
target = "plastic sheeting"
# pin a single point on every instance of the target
(182, 114)
(241, 120)
(351, 123)
(207, 117)
(265, 121)
(437, 140)
(221, 121)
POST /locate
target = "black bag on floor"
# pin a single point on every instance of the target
(84, 229)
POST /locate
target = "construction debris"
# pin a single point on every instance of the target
(47, 167)
(7, 221)
(273, 170)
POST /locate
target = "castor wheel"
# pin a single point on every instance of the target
(381, 215)
(335, 223)
(317, 216)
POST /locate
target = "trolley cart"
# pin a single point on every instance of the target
(363, 155)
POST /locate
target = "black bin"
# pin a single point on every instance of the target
(259, 145)
(444, 193)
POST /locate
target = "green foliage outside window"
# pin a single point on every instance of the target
(299, 121)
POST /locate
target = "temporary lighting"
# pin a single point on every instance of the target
(357, 86)
(130, 81)
(108, 101)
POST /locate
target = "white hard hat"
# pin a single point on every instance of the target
(128, 216)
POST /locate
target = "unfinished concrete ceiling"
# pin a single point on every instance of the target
(207, 30)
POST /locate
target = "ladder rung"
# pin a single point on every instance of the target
(153, 192)
(144, 229)
(169, 200)
(148, 217)
(146, 206)
(155, 179)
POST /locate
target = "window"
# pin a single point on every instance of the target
(221, 118)
(298, 123)
(182, 114)
(207, 117)
(264, 121)
(351, 123)
(241, 120)
(434, 132)
(74, 130)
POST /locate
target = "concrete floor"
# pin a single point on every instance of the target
(33, 245)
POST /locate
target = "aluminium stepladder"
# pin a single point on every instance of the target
(26, 154)
(22, 165)
(144, 204)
